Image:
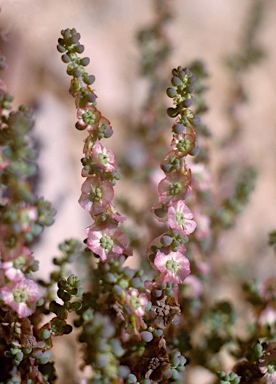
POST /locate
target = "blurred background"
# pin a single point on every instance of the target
(200, 29)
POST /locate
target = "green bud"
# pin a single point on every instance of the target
(75, 73)
(61, 48)
(178, 128)
(175, 361)
(131, 379)
(166, 240)
(89, 79)
(110, 278)
(175, 374)
(118, 291)
(85, 61)
(14, 351)
(116, 347)
(146, 336)
(176, 81)
(171, 92)
(65, 58)
(172, 112)
(157, 332)
(27, 351)
(45, 357)
(136, 282)
(45, 334)
(79, 48)
(124, 283)
(19, 356)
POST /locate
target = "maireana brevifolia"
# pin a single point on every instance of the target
(130, 321)
(125, 321)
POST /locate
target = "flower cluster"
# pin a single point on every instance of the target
(104, 237)
(169, 258)
(167, 251)
(144, 308)
(127, 299)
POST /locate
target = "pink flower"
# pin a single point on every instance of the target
(136, 301)
(88, 117)
(106, 242)
(182, 144)
(96, 195)
(14, 269)
(10, 246)
(174, 266)
(180, 218)
(103, 157)
(21, 296)
(175, 187)
(135, 308)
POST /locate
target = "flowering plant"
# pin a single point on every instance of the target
(154, 323)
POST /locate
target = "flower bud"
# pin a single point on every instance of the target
(171, 92)
(85, 61)
(61, 48)
(172, 112)
(79, 48)
(176, 82)
(65, 58)
(146, 336)
(45, 334)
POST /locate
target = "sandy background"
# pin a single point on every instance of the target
(210, 30)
